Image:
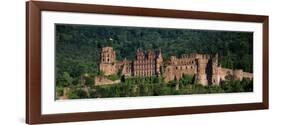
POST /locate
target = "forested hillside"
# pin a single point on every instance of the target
(78, 46)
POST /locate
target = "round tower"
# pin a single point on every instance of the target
(108, 55)
(159, 61)
(201, 76)
(108, 59)
(215, 71)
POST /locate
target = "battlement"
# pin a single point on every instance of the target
(107, 48)
(196, 56)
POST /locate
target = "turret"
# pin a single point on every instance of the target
(215, 71)
(159, 62)
(108, 61)
(108, 55)
(201, 77)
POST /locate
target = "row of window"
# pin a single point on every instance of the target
(108, 55)
(144, 62)
(144, 67)
(184, 67)
(105, 59)
(188, 62)
(144, 73)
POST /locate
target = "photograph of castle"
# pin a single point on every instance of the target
(111, 61)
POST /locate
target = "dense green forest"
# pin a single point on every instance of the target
(78, 48)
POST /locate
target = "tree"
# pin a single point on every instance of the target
(89, 81)
(65, 79)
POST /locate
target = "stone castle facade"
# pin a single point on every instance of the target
(205, 67)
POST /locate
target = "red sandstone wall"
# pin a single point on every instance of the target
(248, 75)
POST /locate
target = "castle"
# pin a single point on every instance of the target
(205, 67)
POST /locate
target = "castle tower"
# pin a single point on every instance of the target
(201, 77)
(108, 61)
(108, 55)
(215, 71)
(159, 62)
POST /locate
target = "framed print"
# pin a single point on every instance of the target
(94, 62)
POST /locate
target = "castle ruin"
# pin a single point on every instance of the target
(204, 67)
